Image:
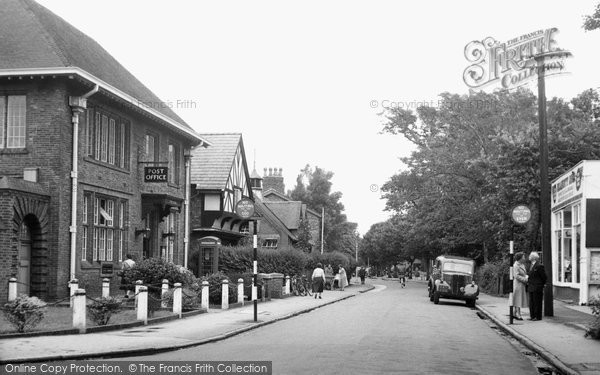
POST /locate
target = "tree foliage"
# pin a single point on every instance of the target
(476, 157)
(313, 186)
(592, 22)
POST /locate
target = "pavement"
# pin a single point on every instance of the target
(559, 339)
(175, 334)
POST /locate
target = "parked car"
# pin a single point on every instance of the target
(452, 278)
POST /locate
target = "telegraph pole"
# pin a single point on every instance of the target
(544, 182)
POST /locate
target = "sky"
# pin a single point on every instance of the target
(305, 81)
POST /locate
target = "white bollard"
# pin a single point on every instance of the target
(225, 295)
(240, 291)
(287, 285)
(12, 289)
(138, 284)
(73, 285)
(204, 302)
(163, 291)
(105, 288)
(177, 294)
(79, 308)
(142, 304)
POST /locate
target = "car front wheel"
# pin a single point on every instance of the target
(436, 297)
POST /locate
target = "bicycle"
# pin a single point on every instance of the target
(300, 286)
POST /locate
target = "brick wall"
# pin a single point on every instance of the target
(49, 148)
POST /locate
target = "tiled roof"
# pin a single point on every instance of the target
(288, 212)
(211, 166)
(263, 210)
(32, 37)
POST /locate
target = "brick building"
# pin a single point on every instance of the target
(125, 191)
(289, 214)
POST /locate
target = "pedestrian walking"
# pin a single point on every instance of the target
(127, 264)
(535, 286)
(520, 296)
(343, 280)
(362, 273)
(329, 277)
(318, 280)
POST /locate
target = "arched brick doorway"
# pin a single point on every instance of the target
(30, 226)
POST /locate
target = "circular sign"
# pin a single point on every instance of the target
(245, 208)
(521, 214)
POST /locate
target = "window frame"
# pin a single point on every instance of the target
(5, 122)
(106, 232)
(107, 138)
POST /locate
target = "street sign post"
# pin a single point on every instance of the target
(245, 209)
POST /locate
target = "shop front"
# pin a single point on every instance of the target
(576, 233)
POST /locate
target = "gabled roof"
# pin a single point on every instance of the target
(288, 212)
(35, 41)
(264, 211)
(271, 191)
(211, 166)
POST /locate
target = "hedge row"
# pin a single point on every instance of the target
(237, 260)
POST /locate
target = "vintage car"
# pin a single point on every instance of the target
(452, 278)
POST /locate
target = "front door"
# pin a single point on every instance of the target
(24, 272)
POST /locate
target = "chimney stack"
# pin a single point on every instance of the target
(274, 180)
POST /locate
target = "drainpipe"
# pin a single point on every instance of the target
(186, 204)
(78, 104)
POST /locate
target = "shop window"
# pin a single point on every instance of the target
(13, 130)
(567, 242)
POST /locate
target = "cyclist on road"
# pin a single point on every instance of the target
(402, 275)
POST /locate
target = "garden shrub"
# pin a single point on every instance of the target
(152, 271)
(215, 282)
(190, 298)
(490, 275)
(101, 310)
(593, 328)
(25, 312)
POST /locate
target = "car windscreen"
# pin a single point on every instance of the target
(458, 267)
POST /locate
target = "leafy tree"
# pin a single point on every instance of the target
(477, 156)
(592, 22)
(316, 193)
(304, 236)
